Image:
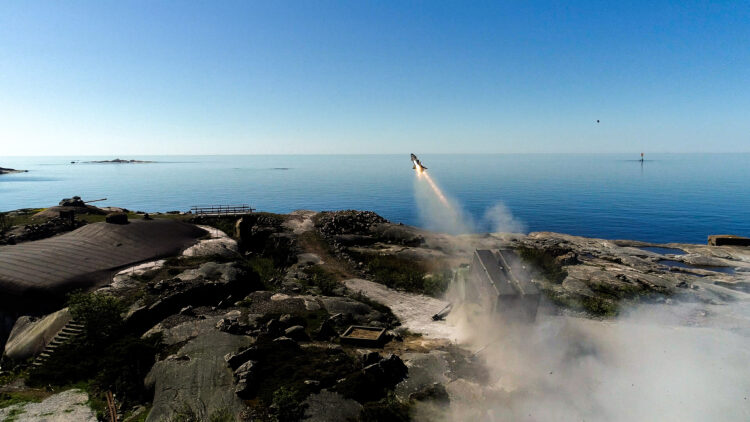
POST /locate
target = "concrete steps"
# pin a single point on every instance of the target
(68, 333)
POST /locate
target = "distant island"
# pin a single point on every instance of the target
(118, 161)
(9, 171)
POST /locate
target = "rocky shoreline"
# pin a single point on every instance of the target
(247, 323)
(11, 171)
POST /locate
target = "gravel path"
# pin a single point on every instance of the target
(413, 310)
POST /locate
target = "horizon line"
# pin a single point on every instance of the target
(118, 156)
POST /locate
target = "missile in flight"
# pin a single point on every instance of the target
(417, 165)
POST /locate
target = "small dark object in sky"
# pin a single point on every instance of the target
(597, 121)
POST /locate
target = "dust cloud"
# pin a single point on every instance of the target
(646, 366)
(667, 362)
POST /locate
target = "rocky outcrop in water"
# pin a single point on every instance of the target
(119, 161)
(11, 171)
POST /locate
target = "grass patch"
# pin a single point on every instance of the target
(14, 414)
(436, 284)
(19, 218)
(286, 405)
(426, 277)
(22, 397)
(397, 273)
(264, 267)
(322, 279)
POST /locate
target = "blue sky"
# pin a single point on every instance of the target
(252, 77)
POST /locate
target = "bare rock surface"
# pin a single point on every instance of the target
(413, 310)
(68, 406)
(300, 221)
(327, 406)
(217, 244)
(185, 331)
(617, 270)
(197, 379)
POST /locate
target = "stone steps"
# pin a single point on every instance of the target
(68, 333)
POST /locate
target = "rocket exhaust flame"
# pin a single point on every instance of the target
(439, 211)
(435, 189)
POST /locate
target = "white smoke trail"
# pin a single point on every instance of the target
(436, 210)
(651, 364)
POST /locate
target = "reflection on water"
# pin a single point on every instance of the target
(679, 264)
(663, 251)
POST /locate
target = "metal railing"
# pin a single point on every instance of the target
(222, 209)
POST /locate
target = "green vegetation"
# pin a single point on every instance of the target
(12, 370)
(22, 397)
(397, 273)
(544, 261)
(105, 357)
(141, 416)
(405, 274)
(14, 414)
(5, 222)
(322, 279)
(264, 267)
(99, 314)
(286, 405)
(436, 284)
(595, 306)
(20, 218)
(290, 368)
(388, 409)
(602, 305)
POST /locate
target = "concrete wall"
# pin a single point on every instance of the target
(29, 337)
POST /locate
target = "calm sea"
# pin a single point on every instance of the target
(668, 198)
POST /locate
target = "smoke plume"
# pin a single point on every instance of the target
(669, 362)
(650, 365)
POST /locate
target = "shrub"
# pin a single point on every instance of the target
(106, 354)
(264, 267)
(545, 261)
(436, 284)
(322, 279)
(397, 273)
(5, 222)
(286, 404)
(101, 315)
